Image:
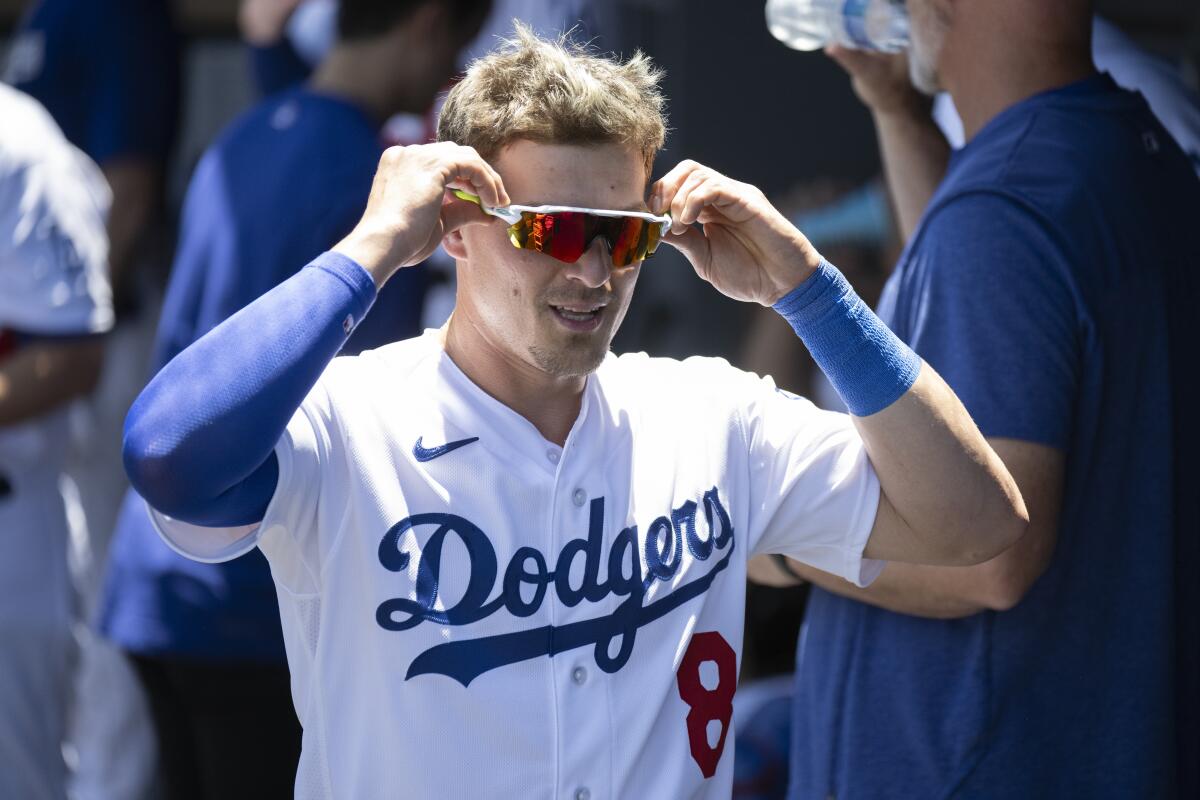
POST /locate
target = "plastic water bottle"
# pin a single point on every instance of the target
(862, 24)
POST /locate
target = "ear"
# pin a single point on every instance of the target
(453, 244)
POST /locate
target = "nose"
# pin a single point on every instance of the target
(594, 267)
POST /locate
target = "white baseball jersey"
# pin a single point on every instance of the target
(53, 264)
(472, 611)
(53, 281)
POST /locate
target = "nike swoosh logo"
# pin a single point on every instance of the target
(430, 453)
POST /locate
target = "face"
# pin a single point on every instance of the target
(929, 21)
(558, 318)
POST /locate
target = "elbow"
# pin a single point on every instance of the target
(1003, 584)
(992, 525)
(152, 465)
(993, 534)
(145, 468)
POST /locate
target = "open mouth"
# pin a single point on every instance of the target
(578, 317)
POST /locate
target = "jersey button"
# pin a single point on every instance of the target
(553, 456)
(579, 675)
(579, 497)
(583, 793)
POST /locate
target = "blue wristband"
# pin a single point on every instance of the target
(867, 364)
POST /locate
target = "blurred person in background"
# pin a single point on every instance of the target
(1158, 79)
(288, 38)
(852, 228)
(108, 71)
(858, 229)
(1049, 274)
(54, 304)
(859, 220)
(283, 183)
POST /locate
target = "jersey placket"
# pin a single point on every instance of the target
(584, 713)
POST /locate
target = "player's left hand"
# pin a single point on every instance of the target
(744, 247)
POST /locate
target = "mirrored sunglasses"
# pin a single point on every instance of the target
(566, 232)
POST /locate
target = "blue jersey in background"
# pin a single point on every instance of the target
(1052, 283)
(284, 183)
(106, 70)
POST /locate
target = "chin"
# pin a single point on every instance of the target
(571, 360)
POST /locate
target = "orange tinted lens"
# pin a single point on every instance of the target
(566, 235)
(629, 243)
(560, 235)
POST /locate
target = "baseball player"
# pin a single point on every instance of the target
(54, 303)
(510, 563)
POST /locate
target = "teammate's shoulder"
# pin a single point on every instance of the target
(301, 114)
(28, 130)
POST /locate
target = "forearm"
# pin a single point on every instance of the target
(43, 376)
(934, 592)
(200, 439)
(949, 491)
(135, 184)
(915, 155)
(945, 497)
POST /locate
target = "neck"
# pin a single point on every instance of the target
(988, 74)
(550, 403)
(352, 71)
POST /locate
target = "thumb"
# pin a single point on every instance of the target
(852, 61)
(694, 245)
(459, 213)
(455, 215)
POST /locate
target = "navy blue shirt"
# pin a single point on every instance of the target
(284, 183)
(277, 67)
(106, 70)
(1047, 283)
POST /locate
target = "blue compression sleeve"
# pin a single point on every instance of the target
(200, 438)
(868, 365)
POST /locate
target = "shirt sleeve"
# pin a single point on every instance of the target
(53, 245)
(814, 493)
(993, 312)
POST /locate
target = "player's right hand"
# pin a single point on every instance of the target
(409, 209)
(880, 80)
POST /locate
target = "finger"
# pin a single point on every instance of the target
(837, 55)
(478, 183)
(458, 213)
(471, 173)
(662, 193)
(431, 244)
(854, 62)
(709, 193)
(679, 203)
(502, 197)
(695, 247)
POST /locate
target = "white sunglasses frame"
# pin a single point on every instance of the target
(512, 213)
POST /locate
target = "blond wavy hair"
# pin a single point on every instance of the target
(555, 91)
